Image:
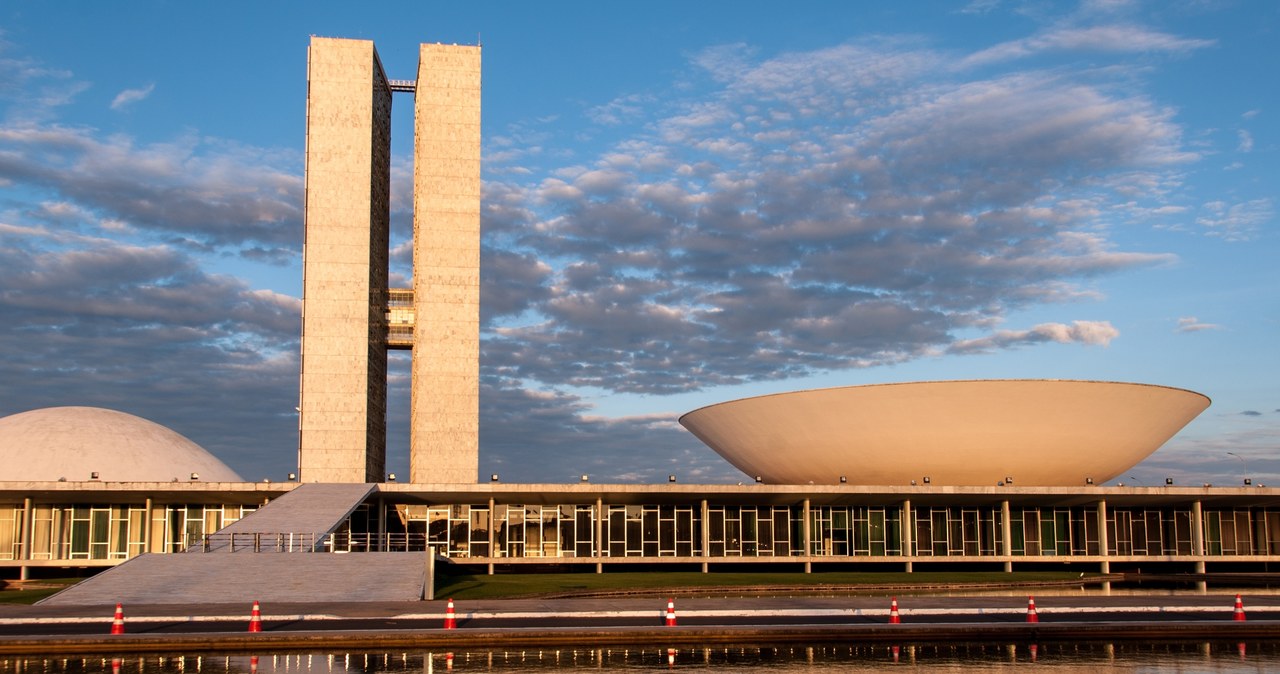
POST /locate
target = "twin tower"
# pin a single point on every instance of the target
(350, 315)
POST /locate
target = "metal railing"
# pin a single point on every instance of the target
(258, 541)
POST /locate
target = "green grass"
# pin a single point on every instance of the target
(739, 584)
(35, 594)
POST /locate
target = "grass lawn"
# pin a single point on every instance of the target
(35, 594)
(498, 586)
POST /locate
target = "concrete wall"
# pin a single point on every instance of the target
(344, 359)
(446, 261)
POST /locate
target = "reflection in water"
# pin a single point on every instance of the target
(1063, 657)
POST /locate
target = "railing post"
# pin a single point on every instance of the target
(257, 542)
(206, 543)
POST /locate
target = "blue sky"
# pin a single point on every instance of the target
(684, 203)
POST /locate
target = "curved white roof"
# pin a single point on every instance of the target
(1038, 432)
(74, 442)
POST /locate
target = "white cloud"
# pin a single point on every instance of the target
(130, 96)
(1193, 324)
(1106, 39)
(1235, 222)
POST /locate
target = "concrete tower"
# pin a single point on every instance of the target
(343, 399)
(350, 317)
(445, 417)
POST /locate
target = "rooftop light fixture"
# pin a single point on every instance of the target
(1008, 480)
(671, 478)
(1088, 480)
(585, 478)
(926, 479)
(1168, 482)
(391, 477)
(1248, 482)
(93, 475)
(759, 479)
(843, 479)
(293, 477)
(195, 476)
(493, 478)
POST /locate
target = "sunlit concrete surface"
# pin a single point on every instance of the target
(1038, 432)
(87, 443)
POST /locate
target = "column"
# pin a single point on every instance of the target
(1006, 535)
(28, 521)
(1197, 542)
(908, 535)
(706, 536)
(806, 537)
(600, 543)
(1104, 543)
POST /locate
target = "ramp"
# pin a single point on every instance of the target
(274, 554)
(246, 577)
(299, 520)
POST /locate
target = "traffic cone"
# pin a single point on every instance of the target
(115, 665)
(253, 664)
(1032, 616)
(671, 613)
(117, 623)
(448, 661)
(671, 658)
(894, 619)
(1238, 615)
(255, 618)
(450, 619)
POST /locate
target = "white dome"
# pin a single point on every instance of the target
(72, 443)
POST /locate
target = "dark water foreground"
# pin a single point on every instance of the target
(1181, 656)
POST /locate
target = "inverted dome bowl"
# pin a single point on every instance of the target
(1038, 432)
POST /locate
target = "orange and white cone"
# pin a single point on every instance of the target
(448, 661)
(253, 664)
(255, 618)
(1238, 614)
(894, 618)
(450, 619)
(117, 623)
(671, 613)
(1032, 616)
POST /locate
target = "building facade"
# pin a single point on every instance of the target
(707, 527)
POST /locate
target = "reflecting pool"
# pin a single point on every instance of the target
(1060, 657)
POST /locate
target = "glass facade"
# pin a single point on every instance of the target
(108, 532)
(492, 532)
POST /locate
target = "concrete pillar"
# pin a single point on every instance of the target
(600, 543)
(28, 521)
(493, 533)
(429, 579)
(706, 536)
(149, 507)
(1006, 535)
(806, 537)
(1197, 542)
(908, 530)
(1104, 543)
(1197, 529)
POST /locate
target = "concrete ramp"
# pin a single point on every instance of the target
(298, 520)
(267, 556)
(247, 576)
